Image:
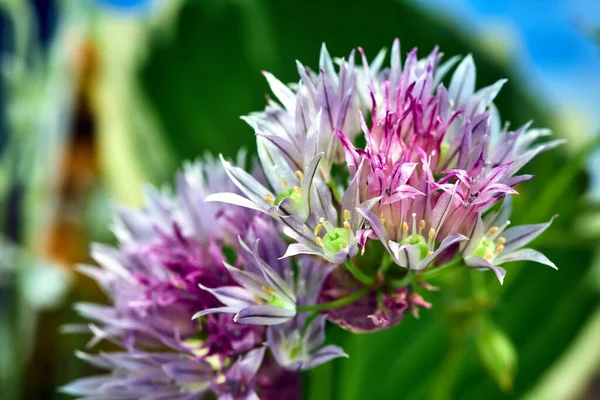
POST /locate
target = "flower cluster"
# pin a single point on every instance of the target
(226, 286)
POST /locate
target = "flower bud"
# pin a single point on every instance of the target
(498, 356)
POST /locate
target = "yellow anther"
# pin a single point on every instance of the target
(342, 246)
(499, 249)
(318, 228)
(421, 225)
(404, 227)
(220, 379)
(501, 240)
(268, 290)
(493, 230)
(346, 215)
(300, 175)
(297, 189)
(488, 256)
(431, 233)
(285, 183)
(269, 198)
(429, 253)
(257, 299)
(347, 225)
(319, 241)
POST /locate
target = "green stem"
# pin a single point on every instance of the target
(386, 264)
(309, 320)
(332, 305)
(359, 275)
(439, 271)
(405, 281)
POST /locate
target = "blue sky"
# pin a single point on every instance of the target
(548, 40)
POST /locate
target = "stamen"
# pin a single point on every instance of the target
(285, 183)
(269, 198)
(297, 189)
(431, 233)
(488, 256)
(382, 219)
(342, 246)
(501, 240)
(493, 230)
(347, 225)
(499, 249)
(421, 226)
(319, 241)
(300, 175)
(268, 290)
(257, 299)
(404, 227)
(346, 215)
(414, 224)
(497, 231)
(318, 228)
(429, 253)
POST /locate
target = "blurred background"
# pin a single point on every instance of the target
(99, 96)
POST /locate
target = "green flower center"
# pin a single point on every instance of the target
(336, 239)
(444, 152)
(295, 351)
(485, 246)
(276, 301)
(291, 194)
(419, 242)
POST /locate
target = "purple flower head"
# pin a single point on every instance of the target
(434, 157)
(166, 252)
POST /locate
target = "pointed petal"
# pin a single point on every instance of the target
(282, 92)
(251, 362)
(247, 184)
(447, 242)
(235, 199)
(462, 83)
(525, 255)
(188, 371)
(299, 248)
(251, 281)
(263, 314)
(231, 296)
(323, 355)
(273, 278)
(482, 263)
(403, 192)
(376, 226)
(216, 310)
(519, 236)
(405, 255)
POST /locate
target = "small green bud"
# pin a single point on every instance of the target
(293, 194)
(418, 241)
(444, 152)
(276, 301)
(336, 239)
(498, 355)
(485, 246)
